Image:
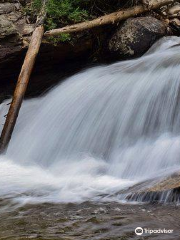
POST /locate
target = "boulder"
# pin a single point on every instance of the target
(135, 36)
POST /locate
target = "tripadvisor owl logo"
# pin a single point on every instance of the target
(139, 231)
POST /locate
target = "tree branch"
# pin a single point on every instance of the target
(109, 18)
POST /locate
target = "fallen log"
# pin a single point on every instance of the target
(21, 87)
(23, 80)
(109, 18)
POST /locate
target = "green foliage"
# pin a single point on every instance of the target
(36, 5)
(33, 9)
(66, 10)
(50, 24)
(62, 12)
(64, 37)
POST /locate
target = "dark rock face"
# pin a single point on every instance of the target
(15, 35)
(131, 39)
(134, 37)
(11, 27)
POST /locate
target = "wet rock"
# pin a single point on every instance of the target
(175, 25)
(135, 36)
(7, 28)
(175, 21)
(157, 190)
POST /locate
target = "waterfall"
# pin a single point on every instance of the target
(100, 131)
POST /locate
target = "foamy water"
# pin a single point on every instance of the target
(98, 132)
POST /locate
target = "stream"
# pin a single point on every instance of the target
(76, 147)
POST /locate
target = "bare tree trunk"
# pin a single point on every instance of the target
(21, 87)
(23, 79)
(110, 18)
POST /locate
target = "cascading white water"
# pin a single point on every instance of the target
(98, 132)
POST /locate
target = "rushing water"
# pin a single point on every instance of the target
(98, 132)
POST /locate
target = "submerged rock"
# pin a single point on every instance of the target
(135, 36)
(156, 190)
